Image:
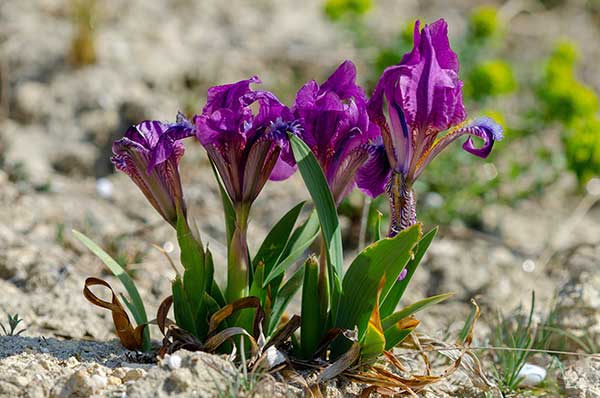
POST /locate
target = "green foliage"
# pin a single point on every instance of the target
(391, 301)
(566, 100)
(563, 97)
(343, 9)
(484, 23)
(318, 188)
(490, 79)
(371, 275)
(13, 323)
(582, 148)
(517, 335)
(312, 327)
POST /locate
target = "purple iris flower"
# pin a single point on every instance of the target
(336, 126)
(149, 154)
(413, 102)
(247, 147)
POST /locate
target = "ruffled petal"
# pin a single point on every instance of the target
(374, 175)
(484, 127)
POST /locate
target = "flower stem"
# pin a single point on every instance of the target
(238, 262)
(403, 211)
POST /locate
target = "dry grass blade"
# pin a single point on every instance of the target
(394, 361)
(295, 377)
(225, 312)
(218, 339)
(424, 356)
(163, 251)
(343, 363)
(130, 337)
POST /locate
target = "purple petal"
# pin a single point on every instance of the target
(484, 127)
(228, 95)
(169, 143)
(334, 118)
(402, 275)
(245, 134)
(345, 175)
(373, 177)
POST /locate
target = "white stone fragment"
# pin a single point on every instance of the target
(174, 361)
(273, 357)
(532, 375)
(100, 382)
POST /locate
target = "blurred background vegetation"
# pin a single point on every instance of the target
(555, 130)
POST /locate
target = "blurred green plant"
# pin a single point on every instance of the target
(519, 334)
(13, 322)
(582, 148)
(566, 100)
(337, 10)
(484, 23)
(562, 96)
(490, 79)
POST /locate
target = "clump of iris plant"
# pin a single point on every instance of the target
(337, 138)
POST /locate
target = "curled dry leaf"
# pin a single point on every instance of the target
(161, 315)
(130, 337)
(284, 332)
(214, 342)
(229, 309)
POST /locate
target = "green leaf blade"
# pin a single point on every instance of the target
(420, 305)
(276, 240)
(322, 198)
(283, 298)
(384, 258)
(300, 240)
(311, 328)
(391, 300)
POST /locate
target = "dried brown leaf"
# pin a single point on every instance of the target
(214, 342)
(229, 309)
(130, 337)
(341, 364)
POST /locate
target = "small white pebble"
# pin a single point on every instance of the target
(100, 382)
(104, 188)
(528, 265)
(532, 375)
(174, 362)
(168, 246)
(593, 186)
(274, 357)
